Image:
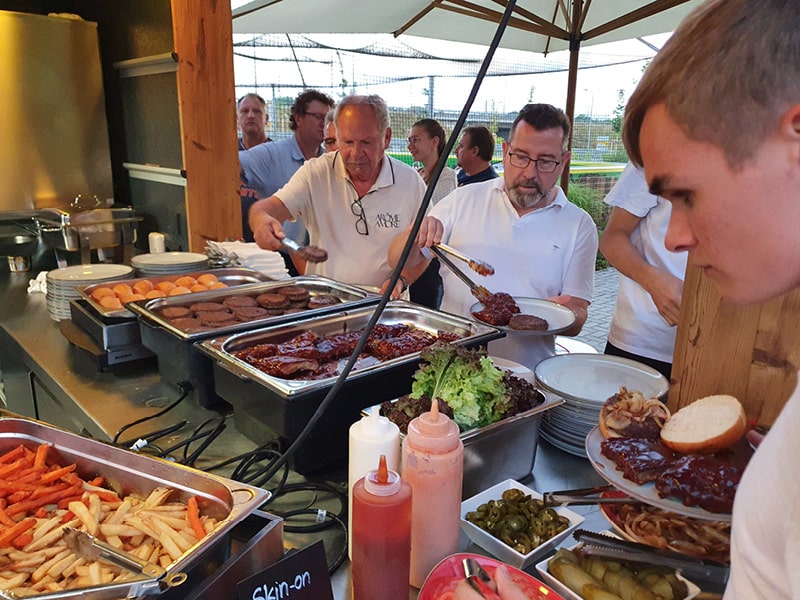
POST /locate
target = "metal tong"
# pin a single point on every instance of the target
(479, 266)
(583, 496)
(711, 575)
(89, 547)
(480, 292)
(478, 579)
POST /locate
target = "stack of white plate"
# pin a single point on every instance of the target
(585, 382)
(62, 284)
(169, 263)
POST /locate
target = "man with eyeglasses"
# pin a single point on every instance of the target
(540, 244)
(353, 201)
(267, 167)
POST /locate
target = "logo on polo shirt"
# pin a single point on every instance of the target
(388, 221)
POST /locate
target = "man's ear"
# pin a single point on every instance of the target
(387, 138)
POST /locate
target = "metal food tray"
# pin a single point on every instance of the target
(350, 296)
(126, 472)
(266, 406)
(232, 276)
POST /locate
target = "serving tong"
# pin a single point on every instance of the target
(479, 266)
(480, 292)
(710, 575)
(478, 579)
(89, 547)
(309, 253)
(584, 496)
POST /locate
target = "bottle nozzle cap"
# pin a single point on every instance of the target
(383, 481)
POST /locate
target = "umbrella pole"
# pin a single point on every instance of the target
(572, 80)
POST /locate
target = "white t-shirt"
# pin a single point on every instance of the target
(636, 326)
(765, 541)
(321, 194)
(546, 253)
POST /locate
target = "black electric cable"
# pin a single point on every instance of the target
(185, 387)
(197, 435)
(154, 435)
(339, 560)
(312, 486)
(216, 431)
(340, 380)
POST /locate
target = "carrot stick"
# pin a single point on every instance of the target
(13, 467)
(26, 505)
(56, 474)
(5, 519)
(193, 514)
(21, 541)
(13, 455)
(41, 455)
(12, 532)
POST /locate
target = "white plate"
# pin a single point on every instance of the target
(568, 594)
(559, 318)
(86, 273)
(590, 379)
(167, 259)
(499, 548)
(647, 492)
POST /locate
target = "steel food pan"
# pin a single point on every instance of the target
(349, 295)
(126, 473)
(232, 276)
(266, 407)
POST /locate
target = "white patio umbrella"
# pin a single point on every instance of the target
(537, 25)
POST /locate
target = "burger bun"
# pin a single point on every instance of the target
(707, 425)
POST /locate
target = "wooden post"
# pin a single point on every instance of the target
(203, 34)
(747, 351)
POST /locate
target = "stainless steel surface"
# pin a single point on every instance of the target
(583, 496)
(62, 78)
(230, 276)
(350, 296)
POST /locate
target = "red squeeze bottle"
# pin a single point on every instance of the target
(381, 535)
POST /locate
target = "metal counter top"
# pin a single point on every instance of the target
(99, 403)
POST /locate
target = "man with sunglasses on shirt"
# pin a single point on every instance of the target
(540, 244)
(353, 201)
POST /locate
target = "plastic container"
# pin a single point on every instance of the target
(433, 463)
(370, 438)
(381, 521)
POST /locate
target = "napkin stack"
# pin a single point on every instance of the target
(39, 284)
(250, 255)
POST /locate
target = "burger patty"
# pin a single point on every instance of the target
(239, 301)
(528, 323)
(321, 300)
(208, 307)
(272, 300)
(176, 312)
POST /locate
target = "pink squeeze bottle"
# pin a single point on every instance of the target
(433, 463)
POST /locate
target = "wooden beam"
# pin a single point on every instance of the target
(203, 34)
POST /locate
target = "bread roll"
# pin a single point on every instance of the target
(707, 425)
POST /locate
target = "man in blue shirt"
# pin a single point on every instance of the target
(266, 168)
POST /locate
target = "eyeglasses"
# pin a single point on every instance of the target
(361, 222)
(543, 165)
(317, 116)
(329, 141)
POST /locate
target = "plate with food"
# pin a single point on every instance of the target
(688, 463)
(646, 524)
(523, 316)
(445, 577)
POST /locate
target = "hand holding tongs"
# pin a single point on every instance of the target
(480, 292)
(480, 267)
(89, 547)
(583, 496)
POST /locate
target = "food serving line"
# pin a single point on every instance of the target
(46, 378)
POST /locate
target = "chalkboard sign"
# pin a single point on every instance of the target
(300, 575)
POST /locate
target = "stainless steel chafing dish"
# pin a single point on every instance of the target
(127, 472)
(179, 361)
(267, 406)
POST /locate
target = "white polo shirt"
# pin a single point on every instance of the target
(542, 254)
(321, 194)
